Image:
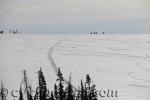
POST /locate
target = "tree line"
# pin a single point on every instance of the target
(61, 91)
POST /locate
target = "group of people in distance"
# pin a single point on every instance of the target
(11, 31)
(96, 33)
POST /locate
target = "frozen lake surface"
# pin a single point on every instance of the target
(114, 61)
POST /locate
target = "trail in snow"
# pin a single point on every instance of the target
(52, 62)
(55, 68)
(50, 58)
(139, 65)
(131, 74)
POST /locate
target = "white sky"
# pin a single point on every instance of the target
(76, 16)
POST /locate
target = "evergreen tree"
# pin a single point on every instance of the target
(55, 92)
(88, 88)
(91, 91)
(82, 91)
(27, 86)
(42, 85)
(70, 95)
(85, 94)
(59, 74)
(61, 91)
(88, 80)
(20, 94)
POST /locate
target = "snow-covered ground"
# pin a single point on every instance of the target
(114, 61)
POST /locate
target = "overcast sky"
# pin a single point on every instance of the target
(75, 16)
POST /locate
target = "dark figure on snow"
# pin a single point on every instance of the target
(1, 32)
(15, 31)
